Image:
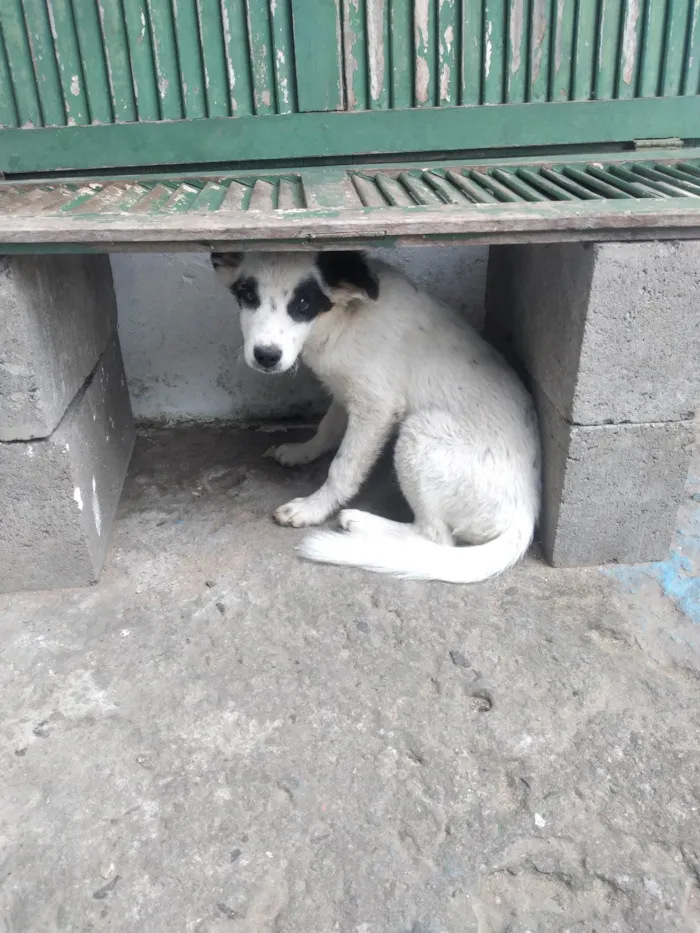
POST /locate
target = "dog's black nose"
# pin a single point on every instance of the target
(267, 357)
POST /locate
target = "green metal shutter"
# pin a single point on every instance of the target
(207, 73)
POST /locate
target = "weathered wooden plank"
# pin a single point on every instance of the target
(518, 185)
(421, 191)
(556, 176)
(260, 51)
(233, 13)
(562, 220)
(300, 136)
(211, 31)
(650, 64)
(291, 195)
(585, 49)
(609, 31)
(44, 59)
(472, 49)
(538, 72)
(284, 57)
(633, 188)
(448, 47)
(548, 187)
(210, 197)
(393, 193)
(691, 72)
(493, 186)
(182, 198)
(667, 175)
(142, 59)
(92, 55)
(378, 53)
(8, 105)
(153, 200)
(402, 57)
(70, 65)
(236, 197)
(517, 51)
(367, 191)
(19, 57)
(586, 179)
(355, 63)
(189, 53)
(648, 184)
(118, 65)
(264, 196)
(329, 188)
(112, 198)
(425, 69)
(630, 49)
(448, 193)
(319, 64)
(494, 52)
(675, 57)
(472, 190)
(167, 70)
(563, 51)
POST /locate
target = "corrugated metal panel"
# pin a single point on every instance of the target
(71, 62)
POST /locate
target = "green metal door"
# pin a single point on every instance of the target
(94, 84)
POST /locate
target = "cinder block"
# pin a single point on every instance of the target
(611, 492)
(609, 331)
(59, 495)
(56, 315)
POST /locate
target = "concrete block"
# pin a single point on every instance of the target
(611, 492)
(56, 315)
(610, 332)
(60, 494)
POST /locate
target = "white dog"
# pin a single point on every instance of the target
(467, 453)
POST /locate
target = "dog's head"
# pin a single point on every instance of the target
(280, 296)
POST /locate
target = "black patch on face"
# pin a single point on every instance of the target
(308, 301)
(347, 268)
(246, 293)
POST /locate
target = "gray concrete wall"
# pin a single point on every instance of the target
(180, 336)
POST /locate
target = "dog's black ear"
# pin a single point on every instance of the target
(226, 266)
(350, 272)
(228, 260)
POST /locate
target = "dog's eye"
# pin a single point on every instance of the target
(246, 293)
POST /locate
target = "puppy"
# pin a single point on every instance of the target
(394, 358)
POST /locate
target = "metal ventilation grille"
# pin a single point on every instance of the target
(471, 186)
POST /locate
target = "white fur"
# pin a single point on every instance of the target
(467, 455)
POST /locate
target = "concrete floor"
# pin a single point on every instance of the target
(219, 738)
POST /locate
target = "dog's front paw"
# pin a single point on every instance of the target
(302, 512)
(290, 454)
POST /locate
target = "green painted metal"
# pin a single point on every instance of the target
(310, 136)
(355, 54)
(91, 84)
(142, 61)
(70, 66)
(285, 56)
(401, 52)
(317, 38)
(233, 13)
(92, 53)
(472, 51)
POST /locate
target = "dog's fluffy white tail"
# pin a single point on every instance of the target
(416, 558)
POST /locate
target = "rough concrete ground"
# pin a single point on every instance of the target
(219, 738)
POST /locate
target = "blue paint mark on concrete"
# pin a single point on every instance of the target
(679, 576)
